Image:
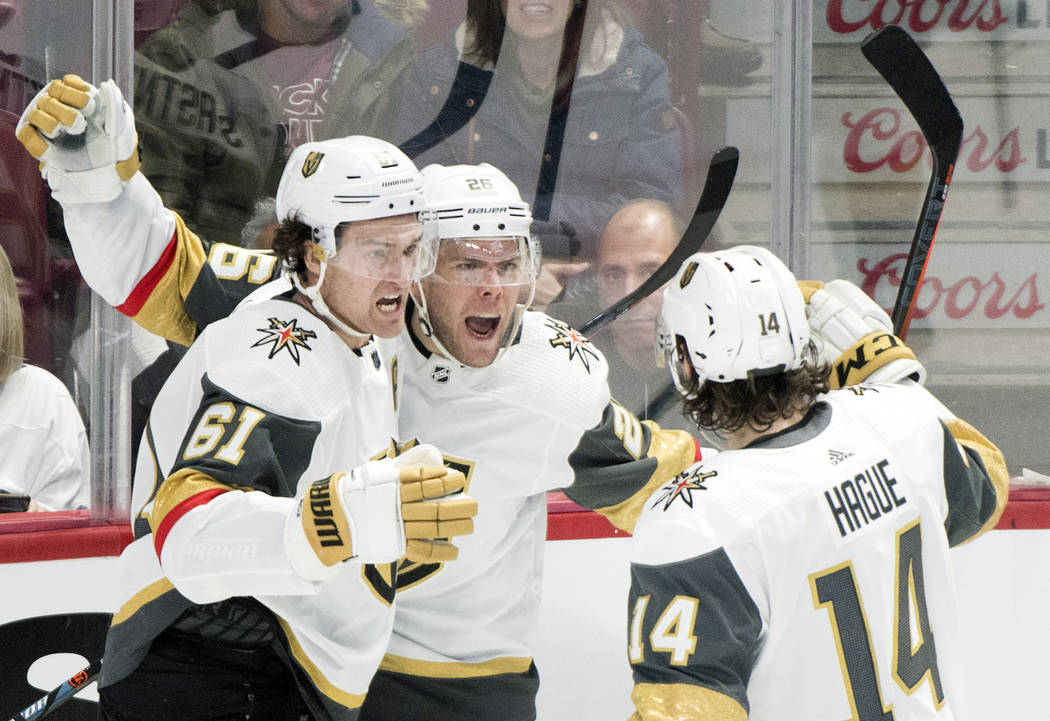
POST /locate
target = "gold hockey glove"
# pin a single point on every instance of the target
(379, 512)
(84, 138)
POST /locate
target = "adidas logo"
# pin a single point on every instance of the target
(836, 457)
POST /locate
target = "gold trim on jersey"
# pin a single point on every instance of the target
(454, 669)
(675, 451)
(176, 488)
(673, 701)
(969, 437)
(150, 593)
(381, 580)
(164, 311)
(350, 700)
(158, 478)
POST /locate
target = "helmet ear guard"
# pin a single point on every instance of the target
(733, 314)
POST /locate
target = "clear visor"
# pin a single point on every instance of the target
(400, 253)
(673, 352)
(484, 262)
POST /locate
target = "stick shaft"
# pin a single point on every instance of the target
(720, 175)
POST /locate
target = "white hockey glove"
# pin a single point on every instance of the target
(379, 512)
(84, 138)
(855, 336)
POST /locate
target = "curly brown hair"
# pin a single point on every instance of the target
(757, 401)
(289, 245)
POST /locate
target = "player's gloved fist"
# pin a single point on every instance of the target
(379, 512)
(855, 336)
(84, 138)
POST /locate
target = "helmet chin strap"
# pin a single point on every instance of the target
(313, 294)
(508, 337)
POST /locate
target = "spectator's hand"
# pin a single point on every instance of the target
(378, 512)
(855, 336)
(552, 279)
(556, 238)
(84, 138)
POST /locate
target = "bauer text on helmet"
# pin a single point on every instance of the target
(486, 265)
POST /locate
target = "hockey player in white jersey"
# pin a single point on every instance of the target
(804, 573)
(262, 581)
(522, 399)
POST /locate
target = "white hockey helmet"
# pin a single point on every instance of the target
(341, 180)
(480, 202)
(480, 216)
(733, 314)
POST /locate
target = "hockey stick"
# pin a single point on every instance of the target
(720, 176)
(911, 75)
(58, 696)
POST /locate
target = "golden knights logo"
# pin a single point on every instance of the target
(687, 274)
(682, 487)
(382, 580)
(285, 335)
(410, 573)
(312, 163)
(573, 341)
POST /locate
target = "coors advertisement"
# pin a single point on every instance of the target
(966, 20)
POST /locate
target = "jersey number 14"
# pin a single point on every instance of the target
(914, 658)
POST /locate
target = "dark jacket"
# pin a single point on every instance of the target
(210, 141)
(621, 141)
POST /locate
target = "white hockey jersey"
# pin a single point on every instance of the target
(540, 418)
(808, 575)
(265, 401)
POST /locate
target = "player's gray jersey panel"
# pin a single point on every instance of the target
(275, 450)
(844, 525)
(716, 624)
(605, 469)
(229, 275)
(971, 496)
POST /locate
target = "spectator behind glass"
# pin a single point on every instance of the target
(633, 245)
(620, 137)
(43, 446)
(226, 91)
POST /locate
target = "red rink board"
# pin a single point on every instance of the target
(27, 537)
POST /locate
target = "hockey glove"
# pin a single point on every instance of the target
(84, 138)
(855, 336)
(379, 512)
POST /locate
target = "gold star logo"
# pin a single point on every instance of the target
(285, 335)
(571, 339)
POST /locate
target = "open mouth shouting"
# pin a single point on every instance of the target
(391, 304)
(482, 327)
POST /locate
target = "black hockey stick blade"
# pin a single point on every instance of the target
(59, 695)
(720, 175)
(911, 75)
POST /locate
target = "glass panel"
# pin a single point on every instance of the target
(44, 447)
(980, 324)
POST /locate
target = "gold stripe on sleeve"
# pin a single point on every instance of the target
(164, 311)
(969, 437)
(176, 488)
(679, 701)
(675, 451)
